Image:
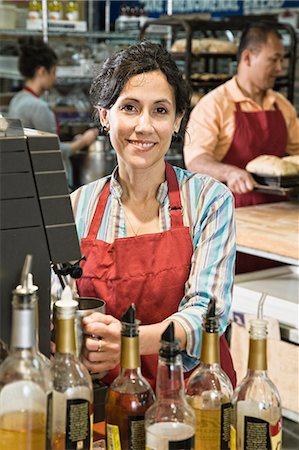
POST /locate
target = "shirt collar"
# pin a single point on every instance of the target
(116, 189)
(238, 95)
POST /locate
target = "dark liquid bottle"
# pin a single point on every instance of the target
(130, 394)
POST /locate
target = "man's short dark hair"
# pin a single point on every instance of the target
(254, 36)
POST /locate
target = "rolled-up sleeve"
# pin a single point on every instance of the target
(212, 266)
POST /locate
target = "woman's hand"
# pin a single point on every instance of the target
(101, 350)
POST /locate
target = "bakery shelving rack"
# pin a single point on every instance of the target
(177, 27)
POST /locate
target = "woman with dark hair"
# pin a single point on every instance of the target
(37, 64)
(153, 234)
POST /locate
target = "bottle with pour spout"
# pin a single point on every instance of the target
(170, 421)
(45, 362)
(24, 379)
(130, 394)
(209, 390)
(70, 406)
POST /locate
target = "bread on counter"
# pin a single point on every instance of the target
(271, 165)
(205, 45)
(294, 159)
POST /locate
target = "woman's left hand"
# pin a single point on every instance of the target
(101, 350)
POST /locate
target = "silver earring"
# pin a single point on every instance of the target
(105, 130)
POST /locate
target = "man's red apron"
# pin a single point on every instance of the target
(148, 270)
(256, 133)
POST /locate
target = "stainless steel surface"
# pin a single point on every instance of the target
(290, 435)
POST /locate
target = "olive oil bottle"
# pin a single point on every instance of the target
(209, 391)
(70, 405)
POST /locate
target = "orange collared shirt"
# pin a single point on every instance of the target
(211, 125)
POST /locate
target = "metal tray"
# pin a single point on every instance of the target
(277, 181)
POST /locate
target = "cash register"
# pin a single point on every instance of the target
(36, 218)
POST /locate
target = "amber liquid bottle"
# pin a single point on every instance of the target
(24, 380)
(70, 405)
(209, 391)
(256, 401)
(130, 394)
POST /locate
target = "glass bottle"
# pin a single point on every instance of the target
(130, 394)
(34, 9)
(24, 381)
(55, 11)
(256, 401)
(70, 405)
(209, 391)
(170, 421)
(44, 361)
(72, 11)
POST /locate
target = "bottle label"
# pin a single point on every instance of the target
(49, 429)
(233, 438)
(226, 420)
(136, 434)
(260, 434)
(213, 427)
(185, 444)
(72, 16)
(113, 437)
(78, 426)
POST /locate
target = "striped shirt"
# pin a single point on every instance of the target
(208, 211)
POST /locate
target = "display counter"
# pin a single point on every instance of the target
(270, 231)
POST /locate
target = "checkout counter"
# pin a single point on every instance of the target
(36, 219)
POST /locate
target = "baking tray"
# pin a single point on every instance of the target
(285, 181)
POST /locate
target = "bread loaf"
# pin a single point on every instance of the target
(205, 45)
(271, 165)
(294, 159)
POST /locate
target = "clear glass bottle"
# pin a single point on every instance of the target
(256, 401)
(24, 380)
(170, 421)
(70, 406)
(130, 394)
(209, 391)
(44, 361)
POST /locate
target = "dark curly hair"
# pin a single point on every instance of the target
(139, 58)
(35, 53)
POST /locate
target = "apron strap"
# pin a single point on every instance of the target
(100, 208)
(176, 210)
(176, 216)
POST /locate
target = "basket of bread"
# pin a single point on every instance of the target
(273, 171)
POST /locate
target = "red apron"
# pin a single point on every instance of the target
(148, 270)
(256, 133)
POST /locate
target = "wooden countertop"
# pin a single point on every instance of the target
(270, 230)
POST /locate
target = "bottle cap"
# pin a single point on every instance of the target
(211, 321)
(169, 344)
(66, 300)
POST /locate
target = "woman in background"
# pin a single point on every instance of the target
(37, 64)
